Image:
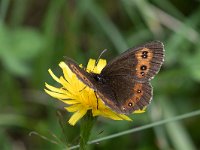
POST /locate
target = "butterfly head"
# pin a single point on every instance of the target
(99, 78)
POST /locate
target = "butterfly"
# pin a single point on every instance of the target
(124, 83)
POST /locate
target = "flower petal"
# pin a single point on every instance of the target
(91, 65)
(54, 76)
(77, 116)
(124, 117)
(66, 85)
(66, 71)
(112, 115)
(54, 89)
(70, 101)
(101, 64)
(73, 108)
(139, 111)
(57, 95)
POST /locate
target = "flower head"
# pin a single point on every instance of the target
(80, 97)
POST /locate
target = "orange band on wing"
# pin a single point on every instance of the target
(144, 58)
(138, 92)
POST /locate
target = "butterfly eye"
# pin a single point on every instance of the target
(143, 67)
(142, 73)
(139, 91)
(144, 52)
(144, 56)
(130, 104)
(123, 108)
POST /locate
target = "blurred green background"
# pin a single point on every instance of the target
(36, 34)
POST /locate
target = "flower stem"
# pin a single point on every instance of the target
(86, 127)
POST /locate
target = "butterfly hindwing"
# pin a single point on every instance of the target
(124, 95)
(142, 96)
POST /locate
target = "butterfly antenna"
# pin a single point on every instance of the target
(100, 56)
(97, 99)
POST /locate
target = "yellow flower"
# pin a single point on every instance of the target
(80, 97)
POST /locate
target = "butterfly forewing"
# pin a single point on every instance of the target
(142, 63)
(81, 74)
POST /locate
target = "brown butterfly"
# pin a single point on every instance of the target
(123, 84)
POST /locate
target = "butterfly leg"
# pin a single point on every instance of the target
(97, 100)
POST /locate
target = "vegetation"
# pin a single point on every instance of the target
(35, 35)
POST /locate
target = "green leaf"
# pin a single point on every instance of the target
(19, 47)
(178, 134)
